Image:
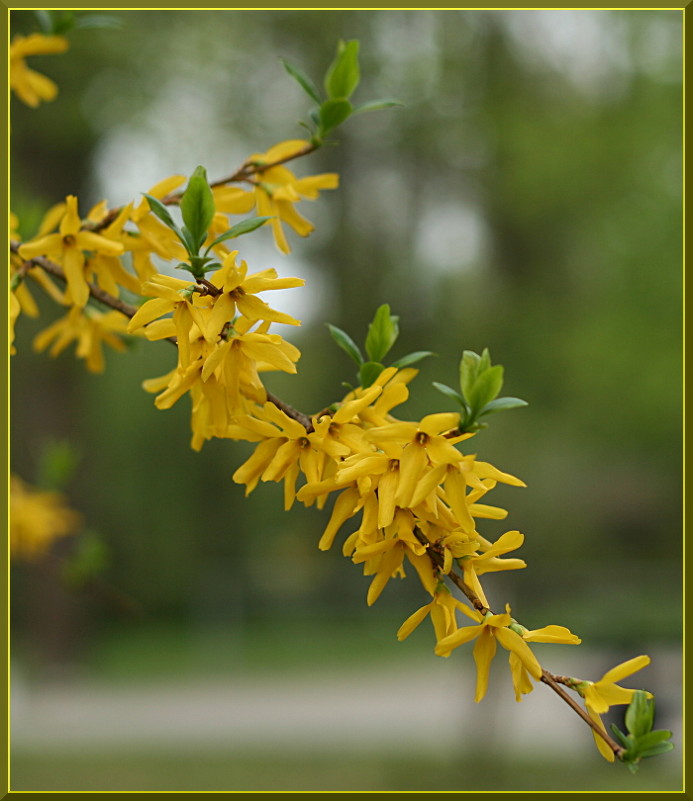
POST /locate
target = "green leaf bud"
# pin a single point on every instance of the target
(303, 81)
(333, 113)
(161, 212)
(342, 77)
(368, 372)
(382, 333)
(412, 358)
(375, 105)
(640, 714)
(197, 206)
(242, 227)
(346, 343)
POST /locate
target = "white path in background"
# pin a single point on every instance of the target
(415, 708)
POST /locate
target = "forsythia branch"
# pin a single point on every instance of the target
(436, 558)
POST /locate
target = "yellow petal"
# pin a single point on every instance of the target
(557, 634)
(345, 506)
(604, 749)
(433, 424)
(513, 642)
(461, 636)
(412, 622)
(484, 651)
(411, 468)
(625, 669)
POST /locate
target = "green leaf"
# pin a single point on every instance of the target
(412, 358)
(333, 113)
(57, 464)
(91, 21)
(640, 714)
(487, 385)
(375, 105)
(63, 23)
(88, 560)
(382, 333)
(342, 77)
(197, 206)
(652, 739)
(303, 80)
(346, 343)
(45, 20)
(243, 227)
(368, 372)
(314, 115)
(199, 265)
(451, 393)
(485, 361)
(655, 750)
(620, 736)
(469, 370)
(161, 212)
(189, 241)
(502, 405)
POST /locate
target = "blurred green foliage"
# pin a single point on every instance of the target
(527, 199)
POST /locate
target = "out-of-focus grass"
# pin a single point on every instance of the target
(218, 770)
(159, 651)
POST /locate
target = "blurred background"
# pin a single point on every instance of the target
(526, 198)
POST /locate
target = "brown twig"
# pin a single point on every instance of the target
(243, 173)
(438, 559)
(57, 271)
(552, 681)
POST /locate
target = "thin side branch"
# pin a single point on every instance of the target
(438, 559)
(551, 680)
(243, 173)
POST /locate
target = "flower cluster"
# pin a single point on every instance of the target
(418, 497)
(112, 252)
(222, 332)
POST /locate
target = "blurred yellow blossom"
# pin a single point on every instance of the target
(276, 190)
(37, 519)
(32, 87)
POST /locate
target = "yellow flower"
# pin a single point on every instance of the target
(475, 565)
(237, 361)
(442, 609)
(384, 557)
(21, 293)
(276, 191)
(89, 329)
(37, 519)
(67, 247)
(286, 451)
(602, 694)
(238, 293)
(108, 268)
(170, 296)
(491, 629)
(30, 86)
(553, 634)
